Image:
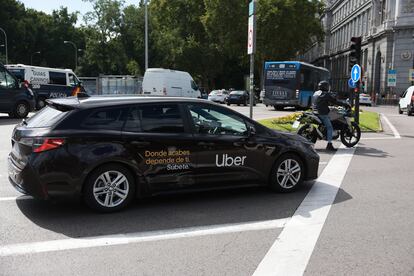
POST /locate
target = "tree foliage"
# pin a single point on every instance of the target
(207, 38)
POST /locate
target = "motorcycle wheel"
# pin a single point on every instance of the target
(351, 137)
(306, 132)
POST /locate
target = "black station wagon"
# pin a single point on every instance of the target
(109, 150)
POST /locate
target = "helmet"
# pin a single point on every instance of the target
(323, 85)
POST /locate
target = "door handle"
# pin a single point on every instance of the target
(140, 143)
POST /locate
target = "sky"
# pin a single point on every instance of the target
(48, 6)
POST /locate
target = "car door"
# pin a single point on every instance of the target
(221, 137)
(161, 145)
(8, 90)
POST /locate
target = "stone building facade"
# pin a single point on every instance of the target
(387, 31)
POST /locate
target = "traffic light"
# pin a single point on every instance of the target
(355, 55)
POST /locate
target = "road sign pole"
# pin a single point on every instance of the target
(357, 102)
(251, 48)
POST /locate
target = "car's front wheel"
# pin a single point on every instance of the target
(287, 173)
(109, 188)
(399, 110)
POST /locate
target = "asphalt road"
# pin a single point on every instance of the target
(356, 219)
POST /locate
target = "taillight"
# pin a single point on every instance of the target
(26, 84)
(412, 99)
(40, 145)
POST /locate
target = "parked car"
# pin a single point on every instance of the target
(218, 96)
(119, 148)
(47, 82)
(406, 102)
(167, 82)
(239, 97)
(16, 99)
(365, 99)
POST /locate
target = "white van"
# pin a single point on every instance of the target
(166, 82)
(47, 82)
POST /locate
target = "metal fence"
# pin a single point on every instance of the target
(112, 84)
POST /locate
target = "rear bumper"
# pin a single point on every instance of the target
(236, 101)
(281, 102)
(30, 181)
(25, 181)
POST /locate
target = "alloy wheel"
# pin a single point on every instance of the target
(111, 189)
(288, 173)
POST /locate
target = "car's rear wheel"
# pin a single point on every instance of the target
(109, 188)
(409, 112)
(21, 110)
(278, 107)
(287, 173)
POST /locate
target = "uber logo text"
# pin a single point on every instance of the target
(228, 161)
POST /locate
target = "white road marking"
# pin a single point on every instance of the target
(379, 138)
(14, 198)
(394, 130)
(290, 253)
(110, 240)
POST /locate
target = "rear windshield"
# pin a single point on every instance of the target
(46, 117)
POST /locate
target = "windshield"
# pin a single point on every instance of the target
(215, 92)
(237, 93)
(281, 78)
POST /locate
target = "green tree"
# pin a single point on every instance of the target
(104, 49)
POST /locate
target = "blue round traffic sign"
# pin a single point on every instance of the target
(356, 73)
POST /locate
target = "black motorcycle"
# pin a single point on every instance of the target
(313, 127)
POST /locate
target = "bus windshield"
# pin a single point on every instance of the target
(282, 77)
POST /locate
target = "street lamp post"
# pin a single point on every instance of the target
(31, 57)
(146, 35)
(76, 52)
(5, 43)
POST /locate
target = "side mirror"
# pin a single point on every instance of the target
(252, 131)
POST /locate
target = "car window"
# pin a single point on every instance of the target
(105, 119)
(6, 80)
(194, 85)
(155, 118)
(46, 117)
(403, 95)
(212, 120)
(57, 78)
(18, 73)
(73, 81)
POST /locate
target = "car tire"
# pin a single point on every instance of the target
(40, 103)
(278, 107)
(21, 110)
(228, 104)
(245, 103)
(287, 173)
(106, 183)
(409, 111)
(399, 110)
